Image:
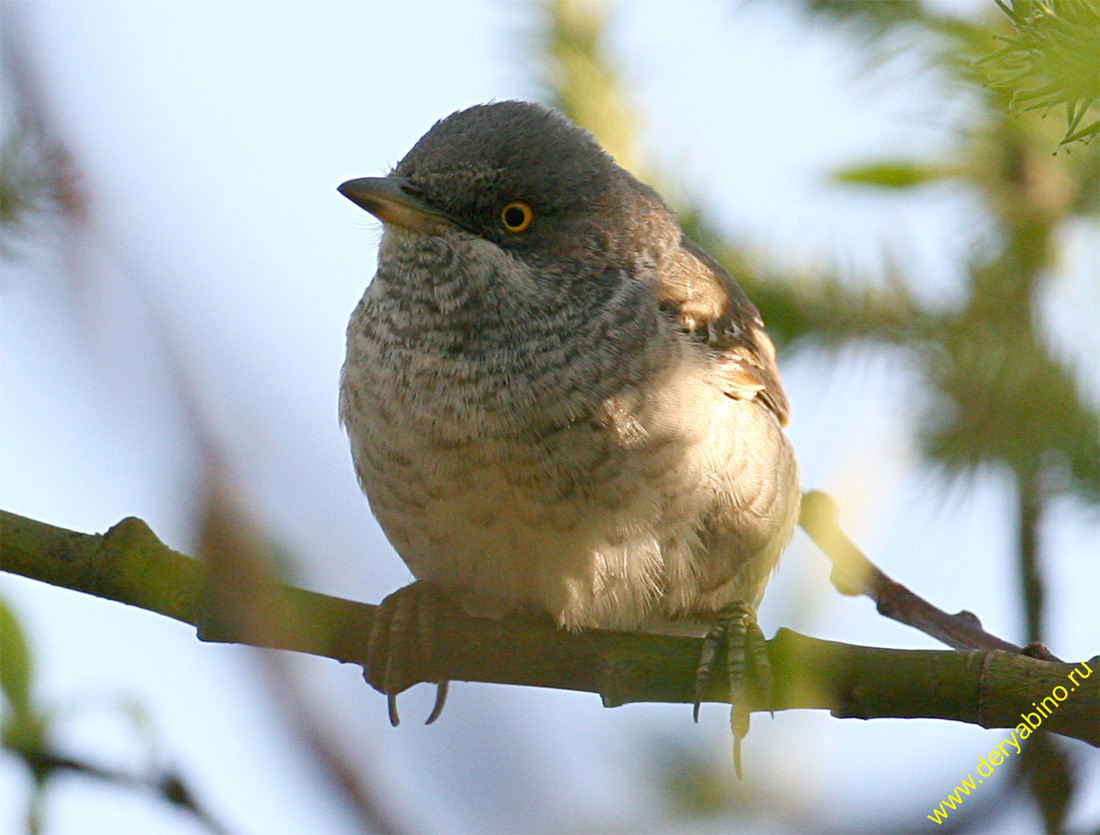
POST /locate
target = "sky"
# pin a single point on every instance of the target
(213, 136)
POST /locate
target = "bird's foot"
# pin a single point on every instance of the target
(746, 655)
(402, 636)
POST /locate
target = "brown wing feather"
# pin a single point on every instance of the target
(709, 305)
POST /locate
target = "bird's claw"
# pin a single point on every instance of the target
(403, 631)
(746, 655)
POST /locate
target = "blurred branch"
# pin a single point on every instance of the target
(131, 565)
(579, 79)
(168, 787)
(42, 182)
(39, 177)
(38, 181)
(240, 596)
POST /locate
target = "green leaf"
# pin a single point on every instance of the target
(16, 671)
(1087, 133)
(23, 729)
(892, 174)
(1052, 60)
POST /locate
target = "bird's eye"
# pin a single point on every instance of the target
(517, 216)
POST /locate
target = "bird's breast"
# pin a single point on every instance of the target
(575, 466)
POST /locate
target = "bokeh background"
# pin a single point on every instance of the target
(190, 288)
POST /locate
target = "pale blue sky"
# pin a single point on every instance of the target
(214, 135)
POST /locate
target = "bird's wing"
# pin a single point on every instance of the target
(709, 305)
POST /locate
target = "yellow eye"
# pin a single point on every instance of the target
(517, 216)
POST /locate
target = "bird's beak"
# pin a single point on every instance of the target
(389, 199)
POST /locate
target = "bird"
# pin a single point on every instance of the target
(558, 403)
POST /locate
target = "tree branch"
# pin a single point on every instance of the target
(994, 689)
(853, 574)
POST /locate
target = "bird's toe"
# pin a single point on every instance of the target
(737, 631)
(402, 639)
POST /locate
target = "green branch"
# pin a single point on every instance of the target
(129, 564)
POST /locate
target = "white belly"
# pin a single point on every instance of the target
(674, 516)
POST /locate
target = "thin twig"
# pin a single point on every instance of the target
(168, 786)
(853, 574)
